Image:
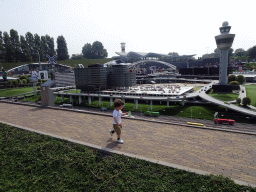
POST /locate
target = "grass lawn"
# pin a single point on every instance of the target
(14, 91)
(251, 92)
(34, 162)
(199, 111)
(224, 96)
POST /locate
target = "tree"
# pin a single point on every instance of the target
(241, 79)
(31, 44)
(216, 53)
(234, 83)
(9, 49)
(45, 48)
(38, 47)
(62, 50)
(252, 52)
(240, 52)
(2, 50)
(87, 51)
(246, 101)
(15, 42)
(98, 51)
(50, 43)
(230, 52)
(77, 56)
(232, 78)
(25, 53)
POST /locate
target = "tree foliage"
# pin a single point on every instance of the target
(9, 49)
(234, 83)
(94, 51)
(15, 42)
(38, 48)
(25, 48)
(241, 79)
(87, 51)
(232, 78)
(62, 50)
(2, 50)
(50, 43)
(252, 52)
(30, 42)
(246, 101)
(25, 53)
(77, 56)
(240, 52)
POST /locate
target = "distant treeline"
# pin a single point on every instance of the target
(31, 48)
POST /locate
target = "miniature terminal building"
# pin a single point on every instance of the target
(97, 77)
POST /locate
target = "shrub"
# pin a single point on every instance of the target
(15, 83)
(234, 83)
(246, 101)
(24, 81)
(9, 82)
(241, 79)
(19, 81)
(232, 78)
(39, 81)
(238, 101)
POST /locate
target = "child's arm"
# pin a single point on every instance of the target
(125, 113)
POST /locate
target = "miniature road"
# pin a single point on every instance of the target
(229, 154)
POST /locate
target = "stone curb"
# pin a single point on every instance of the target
(140, 119)
(112, 151)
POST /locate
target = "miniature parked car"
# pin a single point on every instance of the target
(243, 91)
(221, 121)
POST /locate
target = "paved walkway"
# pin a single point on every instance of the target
(229, 154)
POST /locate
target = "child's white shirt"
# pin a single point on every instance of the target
(117, 114)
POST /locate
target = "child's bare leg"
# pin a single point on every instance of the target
(118, 136)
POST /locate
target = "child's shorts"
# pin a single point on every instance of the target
(117, 128)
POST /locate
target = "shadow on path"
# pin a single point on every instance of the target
(113, 144)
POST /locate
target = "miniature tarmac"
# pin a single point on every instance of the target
(202, 151)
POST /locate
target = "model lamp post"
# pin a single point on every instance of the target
(224, 42)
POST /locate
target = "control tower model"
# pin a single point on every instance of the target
(224, 42)
(123, 47)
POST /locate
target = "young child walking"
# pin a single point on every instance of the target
(117, 113)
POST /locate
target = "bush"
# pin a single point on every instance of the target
(9, 82)
(19, 81)
(241, 79)
(24, 81)
(15, 83)
(238, 101)
(39, 81)
(234, 83)
(246, 101)
(232, 78)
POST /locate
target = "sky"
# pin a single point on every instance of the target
(163, 26)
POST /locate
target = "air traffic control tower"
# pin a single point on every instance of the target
(224, 42)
